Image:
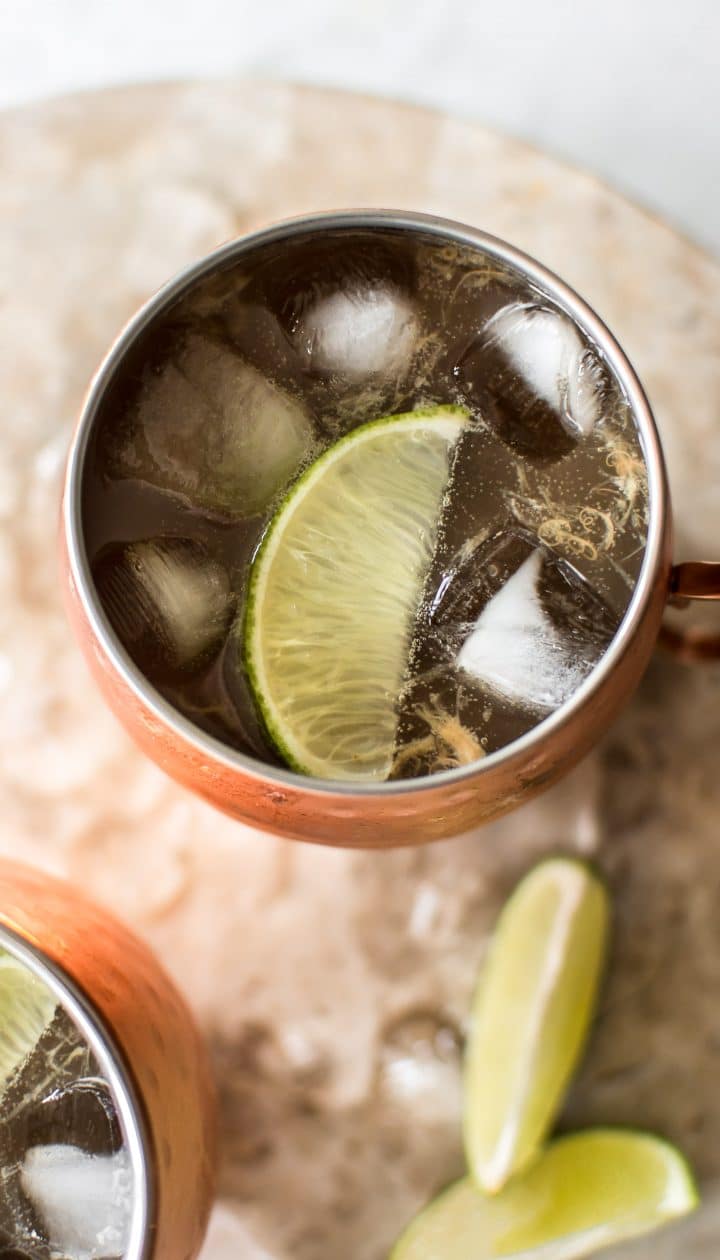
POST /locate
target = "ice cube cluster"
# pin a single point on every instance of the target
(66, 1187)
(252, 376)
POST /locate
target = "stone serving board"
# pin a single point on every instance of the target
(333, 986)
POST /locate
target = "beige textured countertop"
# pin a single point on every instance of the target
(333, 985)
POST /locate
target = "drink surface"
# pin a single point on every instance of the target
(259, 370)
(66, 1188)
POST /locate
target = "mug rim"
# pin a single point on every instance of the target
(99, 1036)
(406, 221)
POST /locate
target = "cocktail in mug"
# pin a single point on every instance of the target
(365, 515)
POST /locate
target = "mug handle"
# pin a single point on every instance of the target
(692, 580)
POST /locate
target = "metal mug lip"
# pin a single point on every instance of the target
(384, 220)
(102, 1043)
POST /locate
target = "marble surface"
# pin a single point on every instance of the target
(333, 986)
(628, 90)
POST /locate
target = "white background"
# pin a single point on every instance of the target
(628, 88)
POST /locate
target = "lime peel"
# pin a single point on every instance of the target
(531, 1014)
(334, 587)
(588, 1191)
(26, 1008)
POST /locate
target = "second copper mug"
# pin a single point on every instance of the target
(415, 810)
(99, 1054)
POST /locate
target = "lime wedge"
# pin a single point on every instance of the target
(334, 588)
(588, 1191)
(530, 1015)
(26, 1008)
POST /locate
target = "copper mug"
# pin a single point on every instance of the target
(410, 811)
(142, 1036)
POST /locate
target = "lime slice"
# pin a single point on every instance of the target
(588, 1191)
(530, 1015)
(26, 1008)
(335, 586)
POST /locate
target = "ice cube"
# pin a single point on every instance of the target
(56, 1098)
(212, 428)
(347, 306)
(359, 333)
(507, 631)
(471, 576)
(539, 637)
(168, 600)
(82, 1112)
(84, 1201)
(534, 380)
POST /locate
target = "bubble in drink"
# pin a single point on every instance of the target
(534, 380)
(209, 426)
(168, 600)
(66, 1186)
(535, 543)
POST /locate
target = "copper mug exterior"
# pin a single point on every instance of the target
(407, 812)
(146, 1043)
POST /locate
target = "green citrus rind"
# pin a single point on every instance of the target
(587, 1191)
(531, 1014)
(26, 1008)
(365, 520)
